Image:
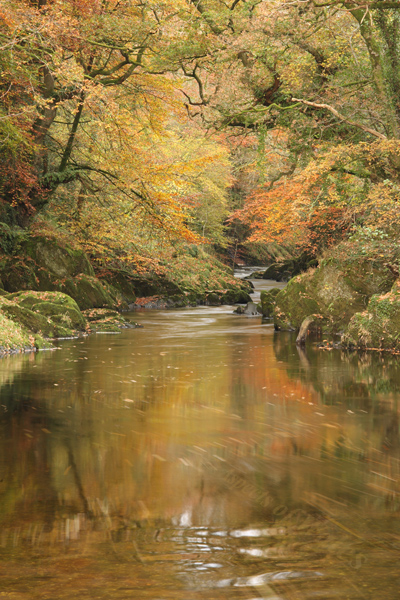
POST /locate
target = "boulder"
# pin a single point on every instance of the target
(213, 299)
(50, 314)
(235, 297)
(279, 271)
(267, 304)
(104, 320)
(87, 291)
(336, 290)
(251, 310)
(378, 327)
(285, 269)
(56, 259)
(294, 303)
(15, 338)
(255, 275)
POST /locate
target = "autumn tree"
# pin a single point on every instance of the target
(100, 77)
(322, 75)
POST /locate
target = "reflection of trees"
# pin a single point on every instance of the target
(354, 377)
(216, 448)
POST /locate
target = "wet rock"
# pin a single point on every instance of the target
(213, 299)
(250, 310)
(286, 269)
(255, 275)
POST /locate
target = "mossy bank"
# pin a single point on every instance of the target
(51, 290)
(356, 299)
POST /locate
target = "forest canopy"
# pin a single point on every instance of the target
(136, 124)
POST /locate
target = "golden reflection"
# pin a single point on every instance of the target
(136, 446)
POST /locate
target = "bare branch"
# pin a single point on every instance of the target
(341, 117)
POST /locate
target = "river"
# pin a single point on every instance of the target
(200, 457)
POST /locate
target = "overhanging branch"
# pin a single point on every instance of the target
(341, 117)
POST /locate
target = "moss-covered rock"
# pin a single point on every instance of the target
(58, 260)
(14, 337)
(235, 297)
(294, 303)
(267, 303)
(30, 297)
(34, 322)
(87, 291)
(336, 290)
(288, 268)
(59, 308)
(213, 299)
(255, 275)
(122, 282)
(64, 316)
(106, 320)
(279, 271)
(378, 327)
(336, 294)
(154, 285)
(35, 317)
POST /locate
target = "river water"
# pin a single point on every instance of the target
(200, 457)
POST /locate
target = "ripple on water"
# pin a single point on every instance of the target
(265, 578)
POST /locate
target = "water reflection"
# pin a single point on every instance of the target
(202, 456)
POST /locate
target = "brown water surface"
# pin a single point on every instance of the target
(201, 457)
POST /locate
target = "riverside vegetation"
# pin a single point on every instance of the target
(51, 291)
(141, 143)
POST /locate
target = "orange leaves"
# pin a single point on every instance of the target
(271, 215)
(289, 214)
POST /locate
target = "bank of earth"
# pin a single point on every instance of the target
(50, 290)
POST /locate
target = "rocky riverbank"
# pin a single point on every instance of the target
(356, 298)
(50, 291)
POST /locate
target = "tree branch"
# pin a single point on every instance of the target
(341, 117)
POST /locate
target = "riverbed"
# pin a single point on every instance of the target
(203, 456)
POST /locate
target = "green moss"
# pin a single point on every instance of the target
(13, 336)
(336, 290)
(294, 303)
(29, 298)
(60, 261)
(35, 322)
(267, 304)
(104, 327)
(87, 291)
(378, 327)
(28, 319)
(64, 316)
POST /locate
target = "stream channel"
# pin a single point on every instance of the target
(200, 457)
